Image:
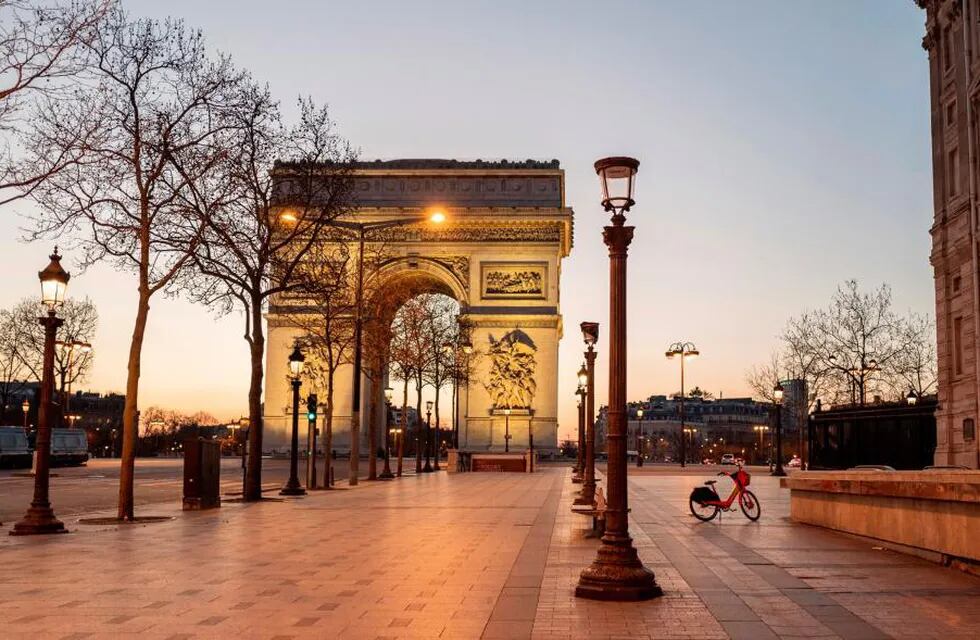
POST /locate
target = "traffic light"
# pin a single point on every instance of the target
(311, 407)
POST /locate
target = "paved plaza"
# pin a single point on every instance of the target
(469, 556)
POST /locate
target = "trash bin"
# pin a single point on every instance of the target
(202, 474)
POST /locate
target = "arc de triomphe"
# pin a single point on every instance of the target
(498, 254)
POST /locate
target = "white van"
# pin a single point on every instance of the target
(15, 451)
(69, 447)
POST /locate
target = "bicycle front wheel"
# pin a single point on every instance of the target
(703, 512)
(750, 505)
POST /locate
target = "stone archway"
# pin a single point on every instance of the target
(499, 255)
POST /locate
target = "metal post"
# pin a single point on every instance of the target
(386, 472)
(40, 516)
(587, 495)
(683, 432)
(401, 450)
(355, 425)
(292, 487)
(428, 441)
(580, 454)
(617, 572)
(507, 431)
(779, 442)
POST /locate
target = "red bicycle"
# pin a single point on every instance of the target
(706, 504)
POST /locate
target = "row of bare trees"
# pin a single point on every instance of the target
(159, 156)
(22, 342)
(856, 348)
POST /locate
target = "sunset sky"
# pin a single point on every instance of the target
(784, 148)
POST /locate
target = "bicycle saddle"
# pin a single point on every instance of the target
(711, 482)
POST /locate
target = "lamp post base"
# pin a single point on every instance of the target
(617, 575)
(38, 521)
(386, 475)
(292, 488)
(779, 473)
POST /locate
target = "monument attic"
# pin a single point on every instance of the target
(498, 253)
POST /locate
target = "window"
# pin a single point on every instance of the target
(956, 284)
(953, 172)
(958, 346)
(969, 429)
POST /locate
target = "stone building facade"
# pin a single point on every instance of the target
(952, 43)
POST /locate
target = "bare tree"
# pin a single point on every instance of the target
(267, 204)
(441, 313)
(915, 367)
(327, 325)
(12, 369)
(412, 349)
(41, 47)
(152, 109)
(762, 378)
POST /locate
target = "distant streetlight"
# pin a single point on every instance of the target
(25, 407)
(639, 438)
(911, 398)
(507, 430)
(399, 432)
(428, 437)
(580, 454)
(40, 518)
(292, 486)
(362, 229)
(686, 351)
(777, 400)
(71, 346)
(616, 573)
(386, 472)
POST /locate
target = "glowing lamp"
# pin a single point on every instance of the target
(54, 282)
(296, 360)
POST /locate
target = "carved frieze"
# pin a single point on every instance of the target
(458, 190)
(546, 231)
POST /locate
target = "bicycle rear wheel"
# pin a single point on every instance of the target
(703, 512)
(750, 505)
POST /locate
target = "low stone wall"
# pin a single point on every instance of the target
(934, 511)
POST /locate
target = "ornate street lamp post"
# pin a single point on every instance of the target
(910, 399)
(362, 229)
(398, 431)
(580, 454)
(639, 438)
(617, 572)
(292, 486)
(26, 407)
(428, 436)
(777, 400)
(40, 516)
(586, 376)
(386, 473)
(507, 430)
(686, 350)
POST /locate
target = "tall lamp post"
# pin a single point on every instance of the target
(507, 430)
(639, 438)
(26, 407)
(617, 572)
(777, 401)
(292, 486)
(71, 346)
(586, 377)
(386, 473)
(399, 432)
(40, 517)
(362, 229)
(428, 437)
(580, 454)
(685, 350)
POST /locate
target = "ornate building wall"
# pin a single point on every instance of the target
(499, 255)
(952, 42)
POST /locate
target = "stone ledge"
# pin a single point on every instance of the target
(945, 486)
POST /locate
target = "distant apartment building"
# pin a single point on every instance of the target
(952, 43)
(713, 427)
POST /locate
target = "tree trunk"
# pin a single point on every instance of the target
(328, 433)
(436, 446)
(130, 429)
(419, 441)
(253, 467)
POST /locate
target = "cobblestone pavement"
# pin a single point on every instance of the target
(468, 556)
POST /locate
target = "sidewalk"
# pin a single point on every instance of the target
(468, 556)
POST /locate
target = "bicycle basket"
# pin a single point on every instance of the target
(703, 494)
(741, 478)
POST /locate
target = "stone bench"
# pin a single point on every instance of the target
(597, 512)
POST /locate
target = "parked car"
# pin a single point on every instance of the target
(728, 458)
(707, 461)
(69, 447)
(794, 462)
(15, 450)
